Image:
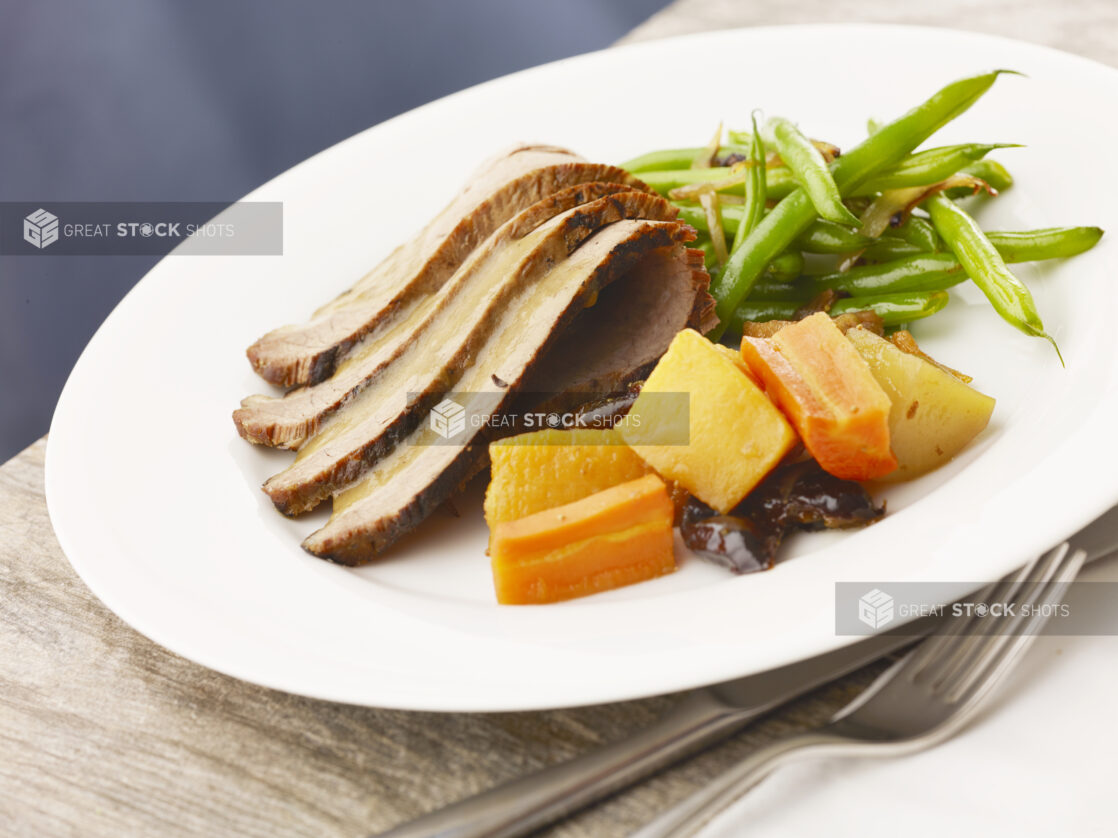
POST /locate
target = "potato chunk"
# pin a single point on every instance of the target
(731, 434)
(934, 414)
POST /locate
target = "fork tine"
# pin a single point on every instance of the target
(944, 643)
(971, 639)
(941, 643)
(987, 663)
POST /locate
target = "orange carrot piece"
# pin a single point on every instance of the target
(612, 538)
(829, 394)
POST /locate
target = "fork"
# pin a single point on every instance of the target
(920, 701)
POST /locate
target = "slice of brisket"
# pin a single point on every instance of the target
(288, 421)
(504, 186)
(374, 421)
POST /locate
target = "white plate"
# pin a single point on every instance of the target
(156, 500)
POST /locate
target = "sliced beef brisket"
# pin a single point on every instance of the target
(405, 486)
(288, 421)
(378, 417)
(506, 185)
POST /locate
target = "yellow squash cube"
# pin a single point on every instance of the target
(733, 437)
(544, 469)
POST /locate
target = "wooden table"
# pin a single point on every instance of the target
(103, 733)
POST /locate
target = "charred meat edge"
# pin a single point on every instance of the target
(286, 422)
(310, 352)
(329, 469)
(358, 534)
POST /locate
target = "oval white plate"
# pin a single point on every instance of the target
(156, 501)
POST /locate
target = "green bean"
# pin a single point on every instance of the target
(921, 273)
(920, 169)
(924, 167)
(931, 166)
(1052, 243)
(676, 158)
(663, 182)
(820, 237)
(810, 169)
(785, 267)
(918, 232)
(985, 266)
(935, 271)
(828, 150)
(827, 237)
(893, 309)
(756, 191)
(767, 289)
(782, 182)
(759, 311)
(925, 272)
(669, 179)
(991, 171)
(793, 214)
(1014, 246)
(887, 249)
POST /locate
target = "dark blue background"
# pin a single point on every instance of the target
(203, 100)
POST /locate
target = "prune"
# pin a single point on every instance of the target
(802, 496)
(796, 496)
(732, 541)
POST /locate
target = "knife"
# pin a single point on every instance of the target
(703, 717)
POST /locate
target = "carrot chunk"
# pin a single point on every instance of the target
(830, 395)
(612, 538)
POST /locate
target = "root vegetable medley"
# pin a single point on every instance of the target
(771, 439)
(818, 261)
(887, 216)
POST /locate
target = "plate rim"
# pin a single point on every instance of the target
(88, 573)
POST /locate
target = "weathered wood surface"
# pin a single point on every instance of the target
(103, 733)
(1085, 27)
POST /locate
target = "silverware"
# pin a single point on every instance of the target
(702, 718)
(921, 700)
